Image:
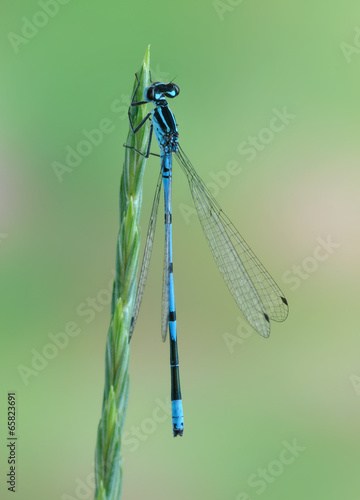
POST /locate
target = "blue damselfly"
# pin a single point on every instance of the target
(254, 290)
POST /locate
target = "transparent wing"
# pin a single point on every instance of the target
(147, 255)
(254, 290)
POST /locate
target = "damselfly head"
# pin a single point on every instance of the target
(159, 91)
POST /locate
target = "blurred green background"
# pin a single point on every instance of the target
(248, 401)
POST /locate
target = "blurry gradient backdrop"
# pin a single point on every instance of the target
(269, 115)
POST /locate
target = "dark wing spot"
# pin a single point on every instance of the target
(284, 300)
(267, 317)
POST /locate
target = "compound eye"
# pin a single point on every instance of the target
(150, 93)
(173, 92)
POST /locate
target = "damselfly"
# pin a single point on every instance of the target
(254, 290)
